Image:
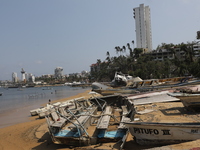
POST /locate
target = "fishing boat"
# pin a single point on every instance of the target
(190, 97)
(90, 121)
(151, 133)
(190, 101)
(117, 91)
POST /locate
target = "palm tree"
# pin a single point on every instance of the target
(137, 52)
(188, 49)
(133, 43)
(118, 49)
(130, 50)
(124, 49)
(108, 56)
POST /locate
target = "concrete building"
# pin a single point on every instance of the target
(58, 72)
(161, 54)
(143, 27)
(196, 49)
(14, 77)
(23, 75)
(30, 77)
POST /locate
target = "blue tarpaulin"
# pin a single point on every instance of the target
(67, 133)
(111, 134)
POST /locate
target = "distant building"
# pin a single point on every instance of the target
(30, 77)
(95, 67)
(143, 27)
(14, 77)
(47, 76)
(161, 54)
(198, 35)
(196, 49)
(58, 73)
(84, 73)
(23, 75)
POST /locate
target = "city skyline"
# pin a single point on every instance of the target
(57, 72)
(41, 35)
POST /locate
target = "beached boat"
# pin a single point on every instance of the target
(43, 111)
(190, 101)
(115, 91)
(151, 133)
(121, 79)
(189, 96)
(91, 121)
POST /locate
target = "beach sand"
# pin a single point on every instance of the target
(34, 135)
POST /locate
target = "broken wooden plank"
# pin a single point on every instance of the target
(124, 118)
(105, 118)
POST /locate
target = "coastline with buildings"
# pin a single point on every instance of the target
(56, 79)
(20, 131)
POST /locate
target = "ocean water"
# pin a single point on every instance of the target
(16, 103)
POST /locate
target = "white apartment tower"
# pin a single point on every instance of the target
(143, 27)
(14, 77)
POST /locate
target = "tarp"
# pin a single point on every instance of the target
(67, 133)
(111, 134)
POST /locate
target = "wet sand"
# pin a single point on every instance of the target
(33, 135)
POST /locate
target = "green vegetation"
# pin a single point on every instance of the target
(139, 63)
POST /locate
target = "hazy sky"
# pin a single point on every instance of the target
(40, 35)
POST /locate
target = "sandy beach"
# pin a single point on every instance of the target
(33, 135)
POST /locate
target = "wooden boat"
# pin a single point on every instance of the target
(189, 96)
(115, 91)
(151, 133)
(43, 111)
(141, 87)
(92, 121)
(190, 101)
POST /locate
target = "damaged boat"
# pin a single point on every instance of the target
(190, 97)
(151, 133)
(90, 121)
(172, 125)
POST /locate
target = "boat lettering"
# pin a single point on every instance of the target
(194, 130)
(146, 131)
(166, 132)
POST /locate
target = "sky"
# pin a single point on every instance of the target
(40, 35)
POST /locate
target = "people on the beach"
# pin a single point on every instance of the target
(49, 102)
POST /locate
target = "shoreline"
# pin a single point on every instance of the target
(16, 109)
(29, 134)
(34, 135)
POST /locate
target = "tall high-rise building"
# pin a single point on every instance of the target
(14, 77)
(23, 75)
(143, 27)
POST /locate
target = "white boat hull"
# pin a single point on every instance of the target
(163, 133)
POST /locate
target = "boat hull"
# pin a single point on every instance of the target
(163, 133)
(107, 92)
(191, 102)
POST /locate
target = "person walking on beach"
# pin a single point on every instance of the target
(49, 102)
